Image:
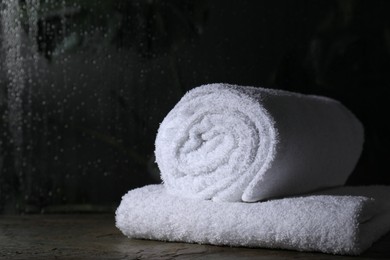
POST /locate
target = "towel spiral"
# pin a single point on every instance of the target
(220, 142)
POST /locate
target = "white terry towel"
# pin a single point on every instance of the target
(336, 223)
(232, 143)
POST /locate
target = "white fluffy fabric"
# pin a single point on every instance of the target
(331, 222)
(233, 143)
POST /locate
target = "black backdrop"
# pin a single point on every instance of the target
(107, 73)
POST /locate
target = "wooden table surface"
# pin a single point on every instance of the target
(96, 237)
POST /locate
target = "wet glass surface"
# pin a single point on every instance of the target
(85, 84)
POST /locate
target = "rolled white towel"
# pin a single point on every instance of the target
(231, 143)
(331, 222)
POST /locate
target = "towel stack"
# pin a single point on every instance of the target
(223, 146)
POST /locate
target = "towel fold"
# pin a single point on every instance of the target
(223, 145)
(330, 222)
(232, 143)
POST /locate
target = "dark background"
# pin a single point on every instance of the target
(104, 74)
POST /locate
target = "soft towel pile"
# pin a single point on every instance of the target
(224, 145)
(327, 223)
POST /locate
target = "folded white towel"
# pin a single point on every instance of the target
(232, 143)
(327, 223)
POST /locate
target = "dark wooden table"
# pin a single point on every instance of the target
(96, 237)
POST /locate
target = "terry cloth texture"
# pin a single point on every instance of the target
(329, 222)
(231, 143)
